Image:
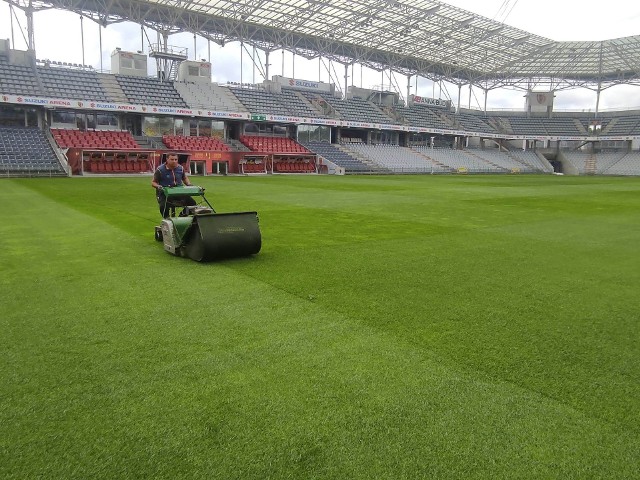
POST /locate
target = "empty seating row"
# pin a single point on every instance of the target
(507, 161)
(353, 109)
(94, 139)
(622, 126)
(253, 167)
(618, 163)
(33, 169)
(297, 104)
(18, 79)
(70, 83)
(394, 158)
(260, 143)
(260, 101)
(473, 123)
(116, 166)
(335, 155)
(629, 164)
(178, 142)
(150, 91)
(419, 116)
(27, 151)
(208, 95)
(297, 166)
(460, 160)
(526, 126)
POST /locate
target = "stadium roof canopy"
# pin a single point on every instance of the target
(424, 37)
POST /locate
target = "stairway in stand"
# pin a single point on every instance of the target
(590, 165)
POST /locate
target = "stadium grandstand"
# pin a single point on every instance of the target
(58, 118)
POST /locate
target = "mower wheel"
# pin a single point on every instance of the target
(158, 234)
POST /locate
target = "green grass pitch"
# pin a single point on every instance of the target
(396, 327)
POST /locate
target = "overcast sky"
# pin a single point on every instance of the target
(58, 37)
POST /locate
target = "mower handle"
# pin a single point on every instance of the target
(191, 190)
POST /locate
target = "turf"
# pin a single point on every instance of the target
(390, 328)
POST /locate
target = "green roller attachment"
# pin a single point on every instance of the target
(217, 236)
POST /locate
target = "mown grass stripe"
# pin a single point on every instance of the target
(430, 352)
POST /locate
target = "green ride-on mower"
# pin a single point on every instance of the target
(203, 235)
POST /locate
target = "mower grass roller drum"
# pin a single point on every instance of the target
(204, 235)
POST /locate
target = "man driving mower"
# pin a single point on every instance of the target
(199, 232)
(171, 174)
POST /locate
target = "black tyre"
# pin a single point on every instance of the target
(158, 234)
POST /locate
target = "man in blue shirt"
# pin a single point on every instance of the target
(171, 174)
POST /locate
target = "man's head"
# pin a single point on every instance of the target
(172, 160)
